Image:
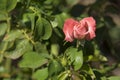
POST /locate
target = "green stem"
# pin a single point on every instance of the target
(26, 35)
(80, 43)
(77, 44)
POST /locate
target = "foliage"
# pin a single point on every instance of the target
(32, 45)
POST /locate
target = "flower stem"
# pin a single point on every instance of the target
(77, 44)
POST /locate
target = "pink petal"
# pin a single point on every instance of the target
(90, 23)
(68, 29)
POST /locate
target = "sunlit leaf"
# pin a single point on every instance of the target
(7, 5)
(41, 48)
(75, 56)
(2, 16)
(32, 60)
(6, 46)
(78, 60)
(3, 28)
(55, 49)
(22, 47)
(54, 23)
(14, 34)
(41, 74)
(64, 75)
(114, 78)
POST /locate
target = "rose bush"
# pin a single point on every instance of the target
(32, 44)
(84, 29)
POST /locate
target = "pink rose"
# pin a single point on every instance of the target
(84, 29)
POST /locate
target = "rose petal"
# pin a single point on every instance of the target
(79, 31)
(90, 23)
(68, 29)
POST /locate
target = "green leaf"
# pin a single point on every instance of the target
(63, 61)
(86, 68)
(64, 75)
(38, 28)
(6, 46)
(54, 67)
(41, 48)
(2, 44)
(114, 78)
(78, 60)
(103, 78)
(71, 2)
(1, 58)
(55, 49)
(29, 17)
(7, 5)
(41, 74)
(32, 60)
(60, 19)
(47, 28)
(70, 53)
(99, 75)
(58, 32)
(3, 28)
(54, 23)
(82, 77)
(43, 29)
(14, 34)
(75, 56)
(22, 47)
(3, 16)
